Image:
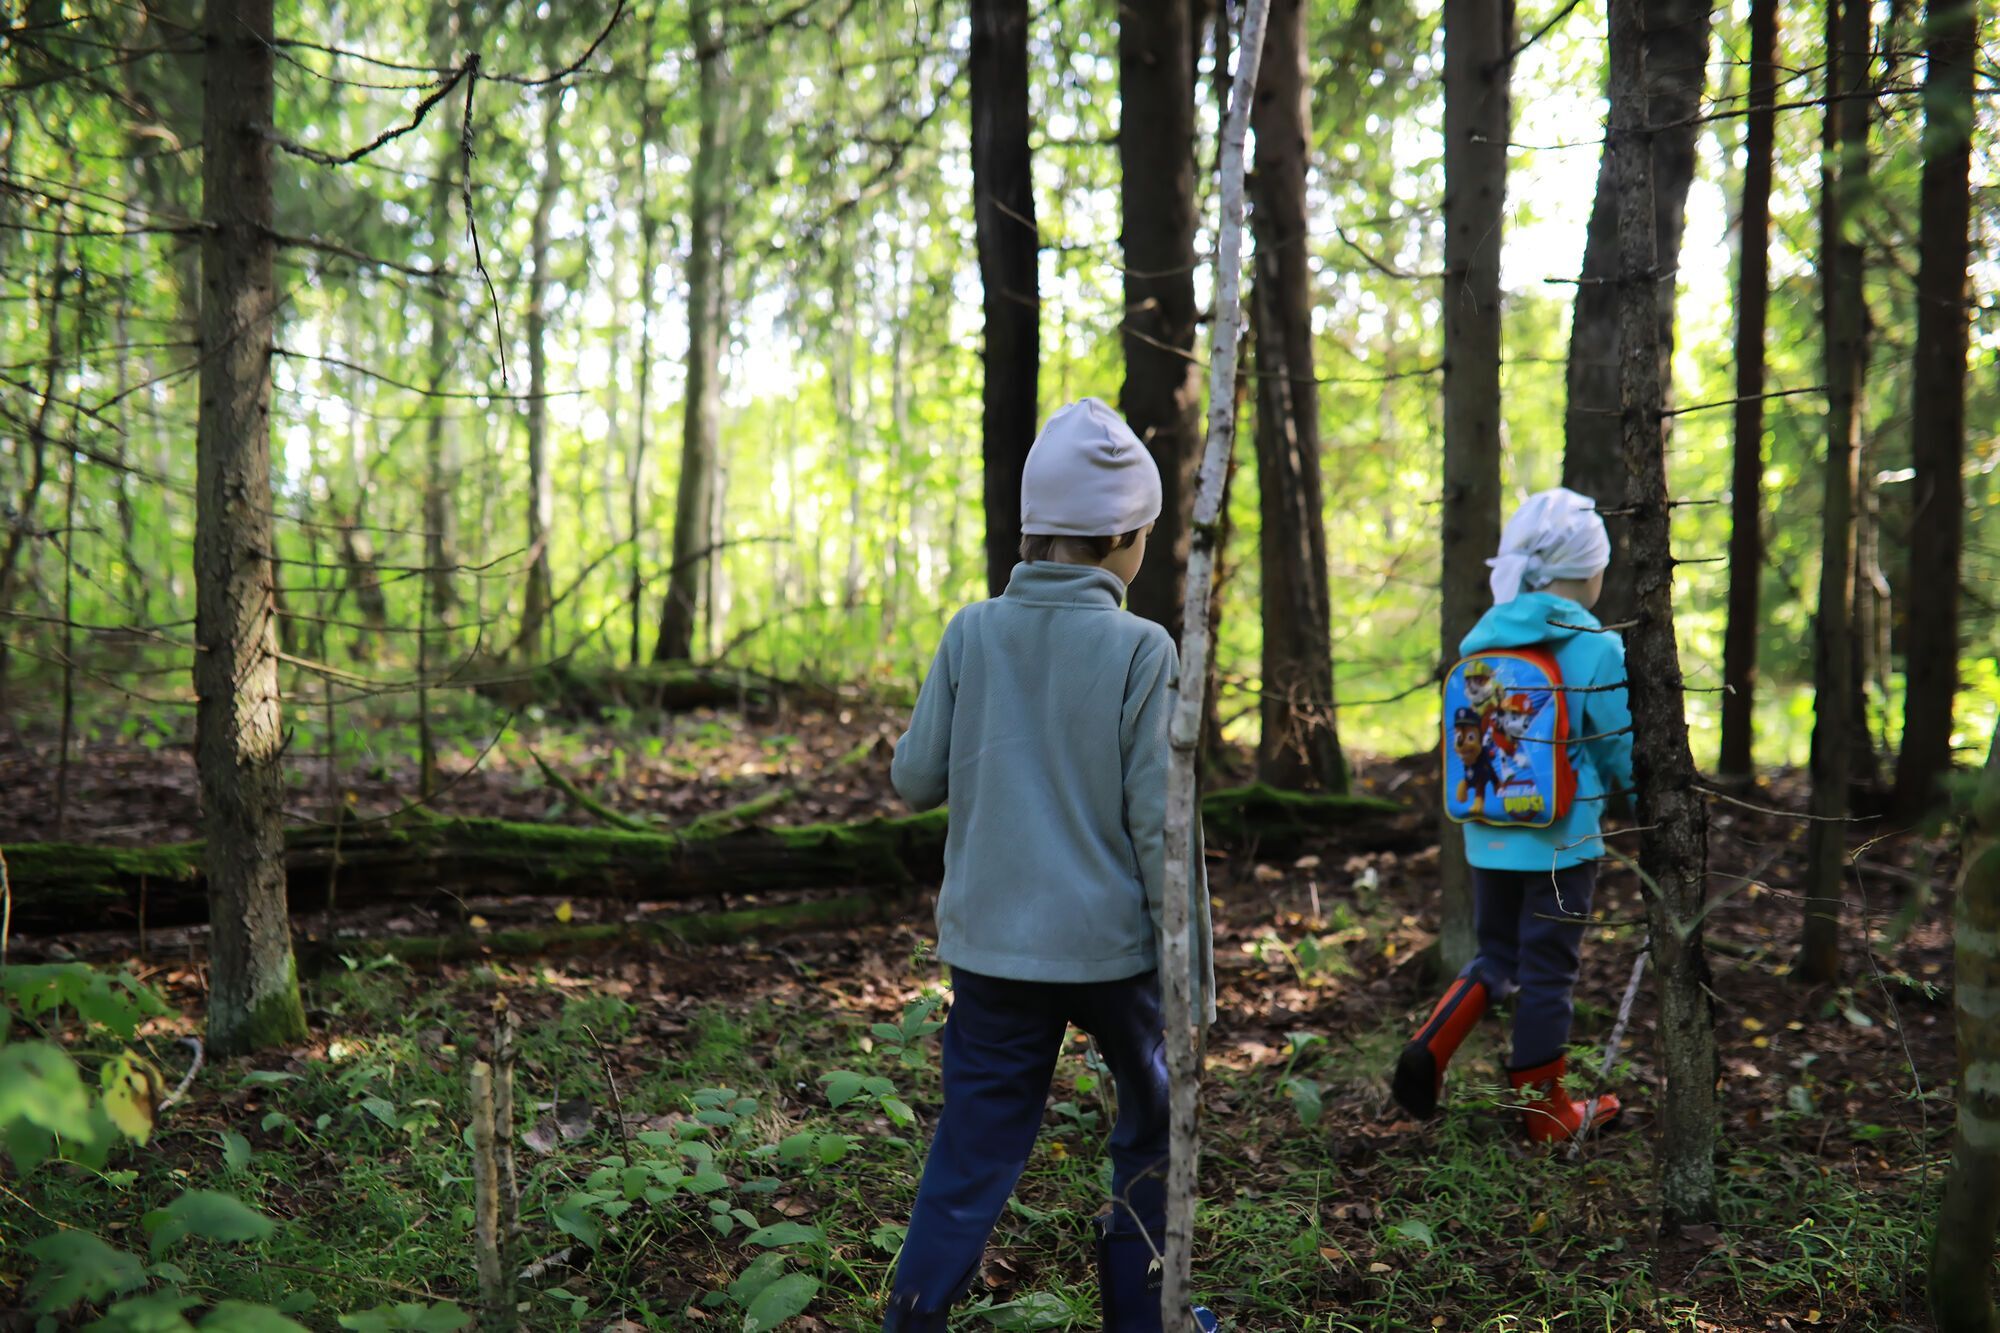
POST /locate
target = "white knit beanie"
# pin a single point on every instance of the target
(1088, 476)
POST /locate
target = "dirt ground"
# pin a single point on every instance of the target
(1835, 1099)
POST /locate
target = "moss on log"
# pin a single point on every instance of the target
(533, 942)
(424, 856)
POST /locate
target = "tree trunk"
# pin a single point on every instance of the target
(1003, 214)
(1162, 395)
(239, 727)
(1843, 182)
(1185, 1011)
(440, 435)
(1477, 116)
(1673, 845)
(1676, 41)
(701, 410)
(1937, 426)
(535, 624)
(1299, 746)
(1962, 1252)
(1746, 512)
(642, 425)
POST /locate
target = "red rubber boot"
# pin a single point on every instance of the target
(1551, 1116)
(1420, 1068)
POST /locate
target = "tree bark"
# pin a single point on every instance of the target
(1477, 117)
(1161, 398)
(239, 727)
(1003, 214)
(1843, 182)
(642, 425)
(440, 435)
(1185, 1018)
(1962, 1251)
(1299, 745)
(701, 412)
(1676, 42)
(1937, 424)
(535, 622)
(1737, 760)
(1673, 824)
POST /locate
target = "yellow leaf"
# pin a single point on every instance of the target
(1058, 1150)
(478, 922)
(128, 1096)
(1812, 1316)
(1380, 1268)
(1539, 1225)
(565, 912)
(1753, 1025)
(1760, 1042)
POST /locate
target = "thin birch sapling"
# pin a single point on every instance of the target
(1184, 729)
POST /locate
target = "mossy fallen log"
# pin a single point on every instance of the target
(694, 928)
(566, 689)
(422, 858)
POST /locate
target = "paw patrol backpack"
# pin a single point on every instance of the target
(1506, 740)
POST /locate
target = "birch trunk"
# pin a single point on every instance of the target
(239, 728)
(440, 432)
(1962, 1255)
(1843, 181)
(1673, 846)
(1184, 730)
(1477, 116)
(1937, 423)
(1746, 522)
(642, 412)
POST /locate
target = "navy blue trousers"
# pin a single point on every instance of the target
(1530, 927)
(1001, 1041)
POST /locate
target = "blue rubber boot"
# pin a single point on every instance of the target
(904, 1317)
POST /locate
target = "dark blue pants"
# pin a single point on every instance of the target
(1001, 1041)
(1530, 926)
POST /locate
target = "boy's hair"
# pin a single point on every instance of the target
(1075, 550)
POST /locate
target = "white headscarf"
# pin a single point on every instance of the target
(1554, 535)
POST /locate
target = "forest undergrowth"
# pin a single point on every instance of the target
(702, 1130)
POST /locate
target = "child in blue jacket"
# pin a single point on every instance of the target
(1532, 886)
(1043, 723)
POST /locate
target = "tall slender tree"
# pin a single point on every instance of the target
(1673, 822)
(1937, 409)
(1299, 745)
(440, 436)
(1162, 393)
(1843, 186)
(535, 623)
(642, 410)
(1962, 1250)
(1477, 113)
(1003, 211)
(1746, 512)
(701, 411)
(239, 725)
(1676, 39)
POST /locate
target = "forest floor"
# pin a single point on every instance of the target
(686, 1112)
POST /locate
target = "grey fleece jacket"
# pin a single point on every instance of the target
(1043, 723)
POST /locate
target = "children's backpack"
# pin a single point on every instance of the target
(1506, 740)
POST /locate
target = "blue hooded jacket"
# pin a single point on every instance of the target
(1600, 719)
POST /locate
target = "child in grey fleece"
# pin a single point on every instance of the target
(1043, 722)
